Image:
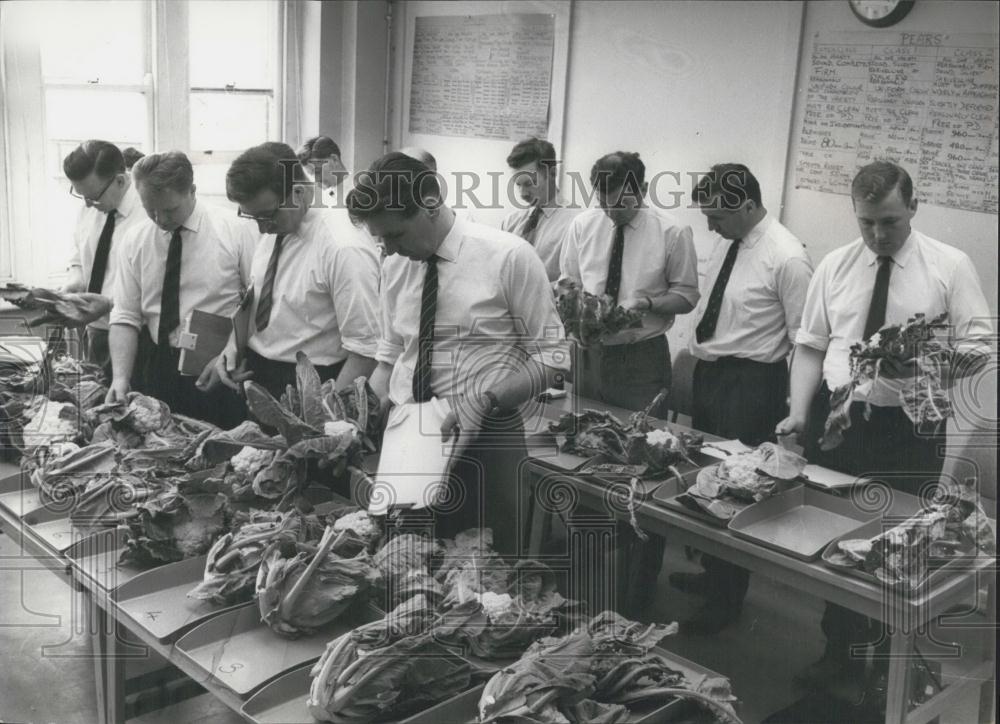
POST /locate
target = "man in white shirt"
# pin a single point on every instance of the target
(544, 219)
(187, 256)
(750, 309)
(96, 170)
(320, 158)
(645, 260)
(427, 158)
(887, 276)
(467, 317)
(313, 292)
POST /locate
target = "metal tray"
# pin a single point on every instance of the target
(97, 559)
(938, 569)
(800, 522)
(17, 494)
(239, 652)
(672, 495)
(56, 531)
(157, 599)
(283, 701)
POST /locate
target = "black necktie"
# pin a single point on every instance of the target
(612, 286)
(709, 320)
(170, 299)
(100, 267)
(263, 316)
(527, 233)
(422, 391)
(880, 295)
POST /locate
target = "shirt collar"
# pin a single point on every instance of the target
(900, 258)
(193, 222)
(638, 220)
(130, 199)
(757, 232)
(452, 244)
(547, 211)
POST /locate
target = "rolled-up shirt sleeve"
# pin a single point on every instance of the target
(569, 257)
(128, 289)
(531, 304)
(793, 285)
(354, 290)
(968, 311)
(390, 343)
(681, 269)
(814, 328)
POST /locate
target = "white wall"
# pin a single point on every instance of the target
(826, 221)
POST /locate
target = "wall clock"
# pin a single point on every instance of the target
(880, 13)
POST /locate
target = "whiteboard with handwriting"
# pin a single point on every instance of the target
(925, 100)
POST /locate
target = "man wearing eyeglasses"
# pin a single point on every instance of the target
(188, 256)
(96, 171)
(314, 291)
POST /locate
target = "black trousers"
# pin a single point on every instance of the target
(160, 378)
(884, 448)
(275, 376)
(482, 491)
(737, 398)
(626, 375)
(97, 349)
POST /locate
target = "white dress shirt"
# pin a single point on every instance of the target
(87, 232)
(216, 250)
(658, 257)
(325, 295)
(762, 304)
(927, 277)
(494, 309)
(547, 238)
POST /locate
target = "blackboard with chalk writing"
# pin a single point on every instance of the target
(925, 100)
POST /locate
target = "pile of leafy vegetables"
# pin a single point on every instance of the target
(594, 675)
(234, 559)
(594, 433)
(916, 346)
(387, 669)
(953, 525)
(314, 422)
(300, 590)
(590, 317)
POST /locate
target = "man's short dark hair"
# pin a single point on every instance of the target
(103, 158)
(727, 186)
(621, 169)
(161, 171)
(876, 181)
(131, 155)
(270, 166)
(530, 150)
(396, 182)
(318, 147)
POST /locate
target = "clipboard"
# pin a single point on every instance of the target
(203, 338)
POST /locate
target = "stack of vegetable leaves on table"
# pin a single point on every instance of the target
(952, 526)
(478, 616)
(724, 489)
(928, 362)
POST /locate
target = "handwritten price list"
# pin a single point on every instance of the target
(925, 100)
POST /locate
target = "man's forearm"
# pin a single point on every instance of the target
(354, 366)
(531, 380)
(379, 380)
(670, 303)
(123, 340)
(806, 375)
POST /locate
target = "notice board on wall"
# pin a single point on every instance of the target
(925, 100)
(482, 76)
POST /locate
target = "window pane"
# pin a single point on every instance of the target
(87, 41)
(232, 42)
(225, 122)
(76, 115)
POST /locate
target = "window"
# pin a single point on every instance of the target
(79, 69)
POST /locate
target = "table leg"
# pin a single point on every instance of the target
(987, 702)
(898, 693)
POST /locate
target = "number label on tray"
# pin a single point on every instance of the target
(230, 668)
(151, 615)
